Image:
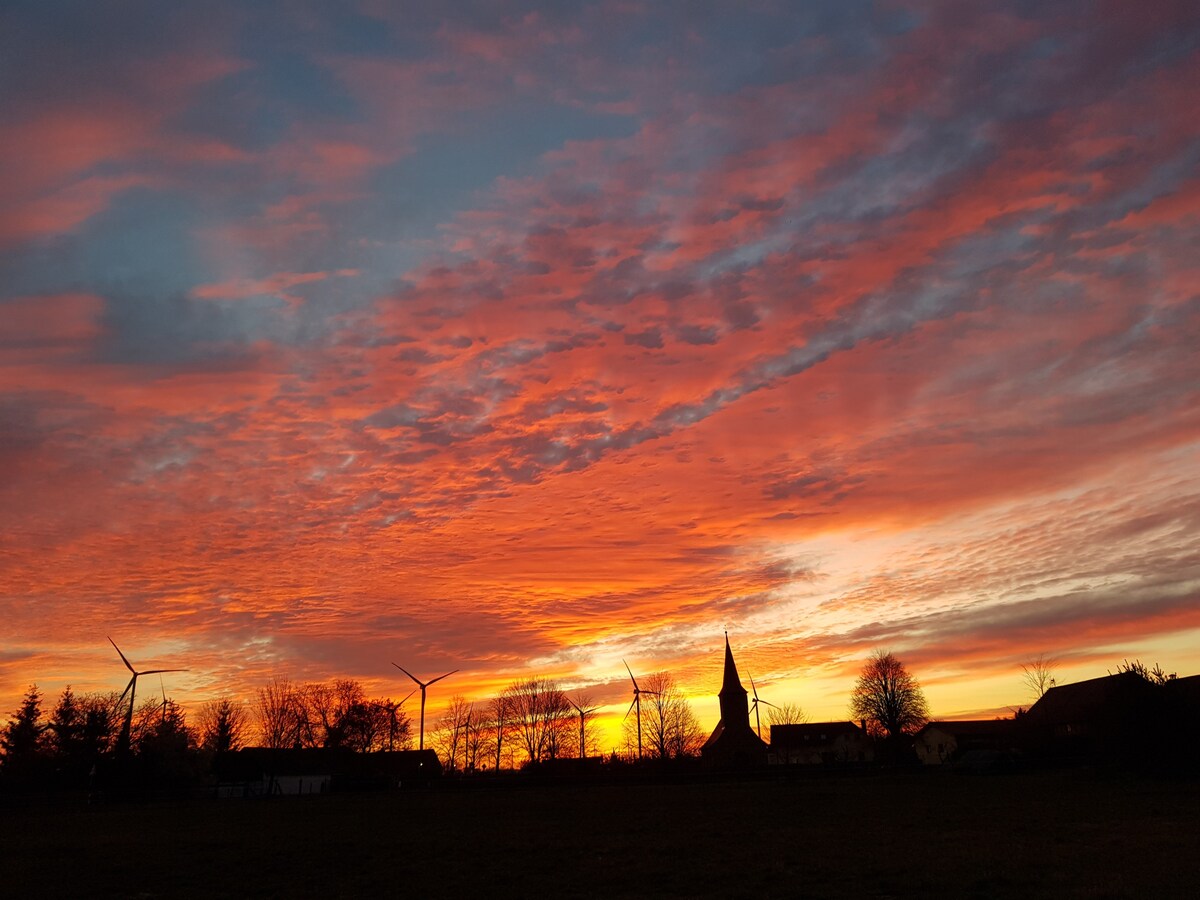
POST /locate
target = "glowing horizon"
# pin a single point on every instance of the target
(523, 341)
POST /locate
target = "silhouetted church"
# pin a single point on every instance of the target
(733, 743)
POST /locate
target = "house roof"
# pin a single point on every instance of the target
(1084, 699)
(972, 727)
(1187, 688)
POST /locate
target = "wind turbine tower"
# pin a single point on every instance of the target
(131, 690)
(422, 685)
(636, 704)
(754, 706)
(583, 711)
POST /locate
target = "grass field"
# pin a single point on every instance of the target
(1072, 834)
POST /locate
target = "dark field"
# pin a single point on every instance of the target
(901, 835)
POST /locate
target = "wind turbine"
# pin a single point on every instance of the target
(131, 690)
(636, 704)
(583, 713)
(754, 707)
(164, 703)
(422, 685)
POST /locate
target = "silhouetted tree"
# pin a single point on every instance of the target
(786, 714)
(399, 726)
(1155, 675)
(888, 698)
(498, 724)
(669, 728)
(457, 735)
(474, 738)
(223, 725)
(71, 740)
(66, 725)
(163, 745)
(363, 726)
(23, 739)
(146, 719)
(322, 706)
(280, 714)
(539, 712)
(102, 714)
(1038, 674)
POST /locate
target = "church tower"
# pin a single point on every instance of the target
(733, 743)
(735, 707)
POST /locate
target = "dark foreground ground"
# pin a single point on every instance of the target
(1074, 834)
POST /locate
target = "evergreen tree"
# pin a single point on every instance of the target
(66, 725)
(22, 740)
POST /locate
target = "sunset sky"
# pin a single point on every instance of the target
(524, 339)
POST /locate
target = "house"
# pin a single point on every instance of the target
(943, 742)
(259, 771)
(733, 743)
(820, 743)
(1115, 716)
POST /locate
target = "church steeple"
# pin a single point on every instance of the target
(733, 742)
(734, 705)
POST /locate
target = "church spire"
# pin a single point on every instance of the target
(734, 706)
(733, 743)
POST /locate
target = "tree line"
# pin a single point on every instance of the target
(533, 720)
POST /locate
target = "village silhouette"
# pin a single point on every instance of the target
(321, 738)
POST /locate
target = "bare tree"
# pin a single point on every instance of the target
(474, 738)
(669, 727)
(280, 713)
(223, 725)
(498, 724)
(540, 713)
(888, 697)
(1038, 674)
(786, 714)
(450, 734)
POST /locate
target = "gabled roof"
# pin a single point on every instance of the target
(972, 727)
(1084, 699)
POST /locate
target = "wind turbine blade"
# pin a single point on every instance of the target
(628, 711)
(772, 705)
(405, 700)
(752, 686)
(409, 674)
(127, 687)
(119, 653)
(164, 689)
(654, 693)
(440, 677)
(160, 671)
